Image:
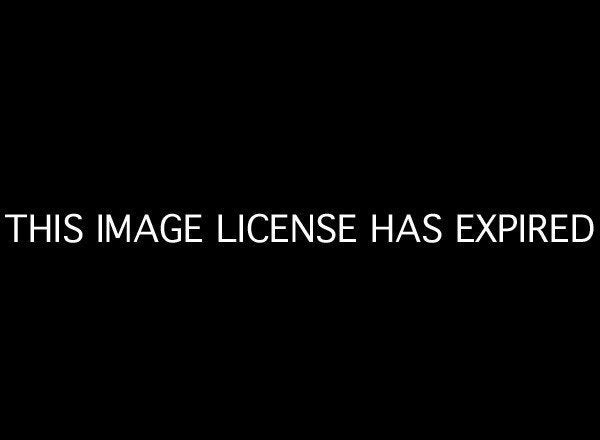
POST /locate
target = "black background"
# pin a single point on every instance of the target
(386, 112)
